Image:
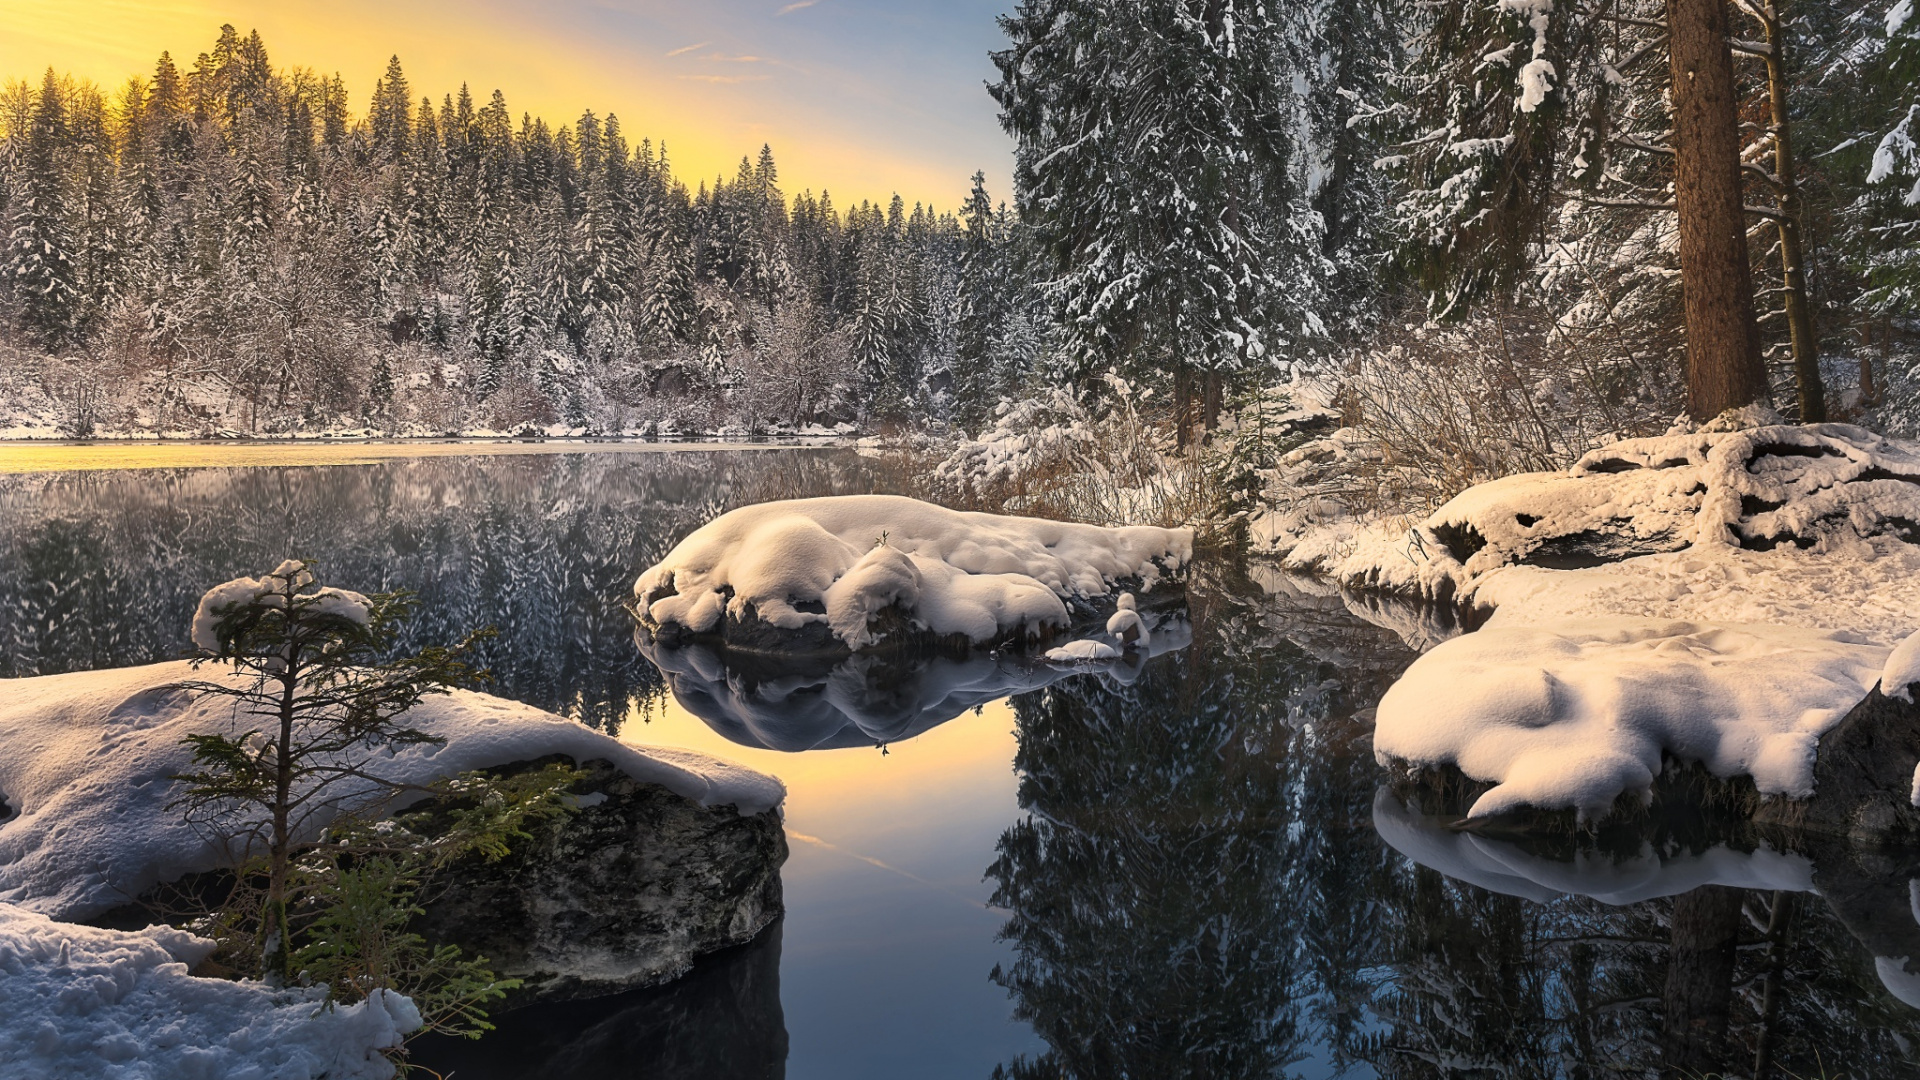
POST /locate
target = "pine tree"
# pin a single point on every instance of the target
(40, 269)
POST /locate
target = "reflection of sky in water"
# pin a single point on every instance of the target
(888, 941)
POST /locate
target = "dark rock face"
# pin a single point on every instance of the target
(623, 893)
(723, 1019)
(1863, 775)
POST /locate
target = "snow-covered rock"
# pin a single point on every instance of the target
(852, 571)
(1084, 650)
(1571, 715)
(1812, 526)
(85, 762)
(80, 1001)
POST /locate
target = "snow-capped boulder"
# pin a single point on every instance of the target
(81, 1001)
(86, 761)
(858, 572)
(1662, 526)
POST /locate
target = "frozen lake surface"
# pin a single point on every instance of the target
(1184, 869)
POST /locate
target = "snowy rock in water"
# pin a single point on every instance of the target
(1126, 625)
(1085, 649)
(80, 1001)
(854, 571)
(1571, 716)
(86, 761)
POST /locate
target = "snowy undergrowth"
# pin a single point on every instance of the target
(80, 1001)
(86, 761)
(844, 561)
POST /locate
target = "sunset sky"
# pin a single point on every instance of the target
(861, 97)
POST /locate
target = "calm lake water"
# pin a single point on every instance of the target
(1184, 868)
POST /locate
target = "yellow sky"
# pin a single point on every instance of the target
(862, 97)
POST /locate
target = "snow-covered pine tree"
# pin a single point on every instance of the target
(40, 270)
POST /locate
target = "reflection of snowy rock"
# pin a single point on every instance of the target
(624, 892)
(86, 761)
(853, 572)
(80, 1001)
(1505, 867)
(817, 703)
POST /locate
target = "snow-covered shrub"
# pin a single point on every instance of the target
(1105, 459)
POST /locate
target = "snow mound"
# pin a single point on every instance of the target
(843, 560)
(81, 1001)
(1085, 649)
(1571, 715)
(1902, 670)
(85, 762)
(1647, 526)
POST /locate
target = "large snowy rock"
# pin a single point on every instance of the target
(80, 1001)
(624, 892)
(855, 572)
(85, 762)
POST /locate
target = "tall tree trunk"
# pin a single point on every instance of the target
(1723, 356)
(1793, 272)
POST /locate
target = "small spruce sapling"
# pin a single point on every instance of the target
(289, 791)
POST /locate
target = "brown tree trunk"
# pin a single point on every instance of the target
(1705, 935)
(1723, 356)
(1793, 271)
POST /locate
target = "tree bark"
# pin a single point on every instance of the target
(1793, 271)
(1723, 355)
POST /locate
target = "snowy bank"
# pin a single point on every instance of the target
(79, 1001)
(1723, 597)
(854, 571)
(85, 761)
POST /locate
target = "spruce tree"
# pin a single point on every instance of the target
(40, 268)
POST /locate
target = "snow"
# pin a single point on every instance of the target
(1085, 649)
(269, 589)
(1721, 596)
(1511, 870)
(1571, 715)
(1902, 670)
(85, 760)
(81, 1001)
(979, 576)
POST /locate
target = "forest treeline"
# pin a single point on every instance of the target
(235, 246)
(1473, 198)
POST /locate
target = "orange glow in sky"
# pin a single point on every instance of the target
(860, 97)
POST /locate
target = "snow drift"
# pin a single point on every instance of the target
(85, 761)
(81, 1001)
(845, 563)
(1571, 715)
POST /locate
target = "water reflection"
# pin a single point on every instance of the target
(805, 703)
(1187, 864)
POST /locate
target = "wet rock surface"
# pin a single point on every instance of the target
(623, 893)
(722, 1019)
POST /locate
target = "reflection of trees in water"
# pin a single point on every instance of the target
(1154, 917)
(1197, 890)
(103, 569)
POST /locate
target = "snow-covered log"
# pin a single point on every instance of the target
(858, 572)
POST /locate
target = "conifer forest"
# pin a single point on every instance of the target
(1209, 199)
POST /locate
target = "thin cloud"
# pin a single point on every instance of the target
(725, 59)
(685, 49)
(795, 6)
(724, 78)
